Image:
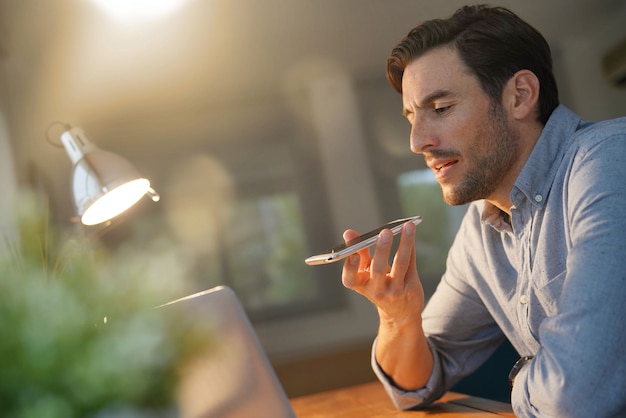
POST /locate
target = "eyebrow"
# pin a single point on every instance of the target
(437, 94)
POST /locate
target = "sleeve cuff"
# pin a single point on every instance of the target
(404, 399)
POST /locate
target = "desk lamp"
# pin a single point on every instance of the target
(104, 184)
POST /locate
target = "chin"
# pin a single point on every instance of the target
(454, 197)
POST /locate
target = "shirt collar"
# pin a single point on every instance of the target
(537, 176)
(495, 218)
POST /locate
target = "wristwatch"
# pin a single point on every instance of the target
(517, 367)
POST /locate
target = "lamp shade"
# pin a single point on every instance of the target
(104, 184)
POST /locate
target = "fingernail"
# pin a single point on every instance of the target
(409, 227)
(384, 237)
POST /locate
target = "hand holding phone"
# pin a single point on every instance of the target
(341, 251)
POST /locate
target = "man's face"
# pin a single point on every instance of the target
(468, 143)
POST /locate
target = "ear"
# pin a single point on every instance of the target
(521, 95)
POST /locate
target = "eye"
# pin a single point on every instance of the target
(441, 110)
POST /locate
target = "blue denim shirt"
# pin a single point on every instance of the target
(553, 281)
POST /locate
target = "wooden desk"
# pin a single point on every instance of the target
(370, 400)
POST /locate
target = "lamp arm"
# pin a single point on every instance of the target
(76, 144)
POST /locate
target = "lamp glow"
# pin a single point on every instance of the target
(133, 10)
(115, 202)
(103, 183)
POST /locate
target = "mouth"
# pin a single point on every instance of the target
(439, 167)
(442, 165)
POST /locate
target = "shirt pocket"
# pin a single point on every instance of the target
(548, 294)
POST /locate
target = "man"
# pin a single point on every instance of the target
(540, 257)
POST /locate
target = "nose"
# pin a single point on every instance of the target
(422, 137)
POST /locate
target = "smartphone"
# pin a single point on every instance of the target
(366, 240)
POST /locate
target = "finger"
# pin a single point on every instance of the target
(349, 234)
(380, 260)
(364, 253)
(413, 263)
(405, 254)
(351, 276)
(350, 273)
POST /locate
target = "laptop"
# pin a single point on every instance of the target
(232, 378)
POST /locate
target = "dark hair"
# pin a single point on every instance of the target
(494, 44)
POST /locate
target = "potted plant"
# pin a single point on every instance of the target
(79, 333)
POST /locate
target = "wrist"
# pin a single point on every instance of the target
(406, 324)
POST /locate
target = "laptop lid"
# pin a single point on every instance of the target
(233, 377)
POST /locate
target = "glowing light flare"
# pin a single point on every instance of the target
(135, 10)
(115, 202)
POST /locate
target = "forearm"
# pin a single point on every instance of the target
(403, 353)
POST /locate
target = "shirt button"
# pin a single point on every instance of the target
(538, 198)
(523, 299)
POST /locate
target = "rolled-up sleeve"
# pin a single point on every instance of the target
(404, 399)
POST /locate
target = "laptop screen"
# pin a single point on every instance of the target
(231, 377)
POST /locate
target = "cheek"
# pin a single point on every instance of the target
(471, 130)
(459, 135)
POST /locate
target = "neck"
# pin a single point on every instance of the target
(501, 197)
